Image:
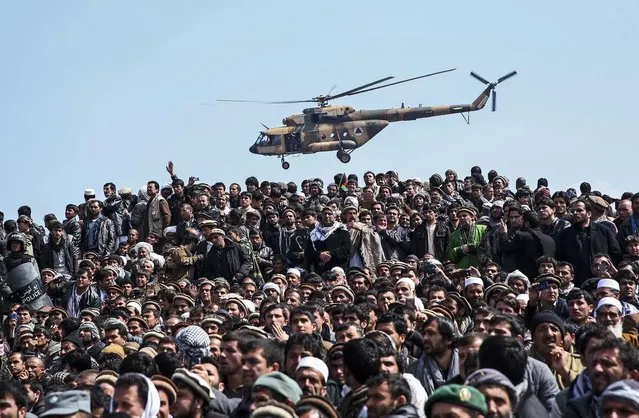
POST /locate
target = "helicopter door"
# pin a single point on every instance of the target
(292, 142)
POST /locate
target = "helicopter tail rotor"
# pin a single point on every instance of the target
(494, 84)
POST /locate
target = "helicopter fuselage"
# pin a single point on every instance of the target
(342, 128)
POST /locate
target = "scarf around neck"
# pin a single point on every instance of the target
(321, 233)
(430, 375)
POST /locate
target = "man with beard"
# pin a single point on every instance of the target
(611, 288)
(176, 200)
(609, 314)
(298, 241)
(271, 228)
(226, 258)
(522, 249)
(500, 393)
(389, 396)
(395, 238)
(579, 242)
(366, 249)
(231, 364)
(185, 221)
(98, 232)
(193, 395)
(431, 236)
(489, 249)
(609, 360)
(440, 360)
(59, 253)
(114, 209)
(474, 291)
(286, 232)
(462, 248)
(158, 214)
(328, 244)
(548, 332)
(90, 337)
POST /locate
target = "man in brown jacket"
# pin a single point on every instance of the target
(158, 213)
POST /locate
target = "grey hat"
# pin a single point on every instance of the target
(194, 382)
(623, 391)
(66, 403)
(93, 329)
(492, 377)
(280, 383)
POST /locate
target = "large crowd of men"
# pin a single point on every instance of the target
(452, 297)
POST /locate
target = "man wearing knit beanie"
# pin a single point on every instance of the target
(90, 336)
(548, 331)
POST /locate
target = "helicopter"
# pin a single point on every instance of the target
(343, 129)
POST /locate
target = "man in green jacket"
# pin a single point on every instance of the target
(462, 248)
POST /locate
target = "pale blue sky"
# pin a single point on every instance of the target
(98, 91)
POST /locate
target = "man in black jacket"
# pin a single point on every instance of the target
(59, 253)
(631, 225)
(525, 246)
(578, 243)
(431, 236)
(328, 244)
(226, 258)
(80, 293)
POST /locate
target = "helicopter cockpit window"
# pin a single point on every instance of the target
(275, 140)
(262, 139)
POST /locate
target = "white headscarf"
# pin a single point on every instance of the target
(152, 407)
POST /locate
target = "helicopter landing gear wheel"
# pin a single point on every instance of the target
(285, 165)
(343, 156)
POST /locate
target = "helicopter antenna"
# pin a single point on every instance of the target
(494, 84)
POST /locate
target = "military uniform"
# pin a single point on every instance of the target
(179, 263)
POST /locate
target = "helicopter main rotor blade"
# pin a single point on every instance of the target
(357, 89)
(506, 77)
(480, 78)
(263, 101)
(404, 81)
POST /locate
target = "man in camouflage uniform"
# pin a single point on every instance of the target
(179, 260)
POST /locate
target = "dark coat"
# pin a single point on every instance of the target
(553, 230)
(71, 256)
(521, 250)
(106, 237)
(577, 246)
(90, 298)
(227, 262)
(296, 250)
(419, 240)
(73, 230)
(114, 210)
(406, 410)
(625, 230)
(395, 242)
(338, 244)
